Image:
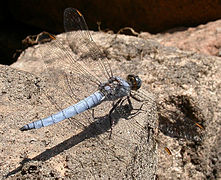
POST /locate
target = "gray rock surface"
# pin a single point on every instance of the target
(187, 90)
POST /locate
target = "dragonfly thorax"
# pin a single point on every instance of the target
(115, 88)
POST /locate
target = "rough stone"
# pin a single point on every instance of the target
(203, 39)
(186, 86)
(80, 147)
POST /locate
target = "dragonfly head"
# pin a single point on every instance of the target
(134, 81)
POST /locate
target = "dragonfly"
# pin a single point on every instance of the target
(109, 87)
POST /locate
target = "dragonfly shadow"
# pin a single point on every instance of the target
(99, 126)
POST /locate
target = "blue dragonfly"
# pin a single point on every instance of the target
(109, 87)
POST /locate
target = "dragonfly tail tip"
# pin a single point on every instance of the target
(23, 128)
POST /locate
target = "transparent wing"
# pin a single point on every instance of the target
(57, 54)
(67, 88)
(77, 29)
(68, 79)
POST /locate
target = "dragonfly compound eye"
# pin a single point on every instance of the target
(134, 81)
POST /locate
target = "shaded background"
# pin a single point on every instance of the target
(20, 18)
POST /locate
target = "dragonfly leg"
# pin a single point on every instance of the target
(123, 100)
(135, 98)
(131, 107)
(92, 112)
(110, 116)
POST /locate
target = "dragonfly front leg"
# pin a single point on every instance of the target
(131, 106)
(110, 115)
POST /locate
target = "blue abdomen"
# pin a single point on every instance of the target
(83, 105)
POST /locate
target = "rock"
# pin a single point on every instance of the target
(187, 90)
(76, 148)
(204, 39)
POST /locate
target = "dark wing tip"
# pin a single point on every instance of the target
(24, 128)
